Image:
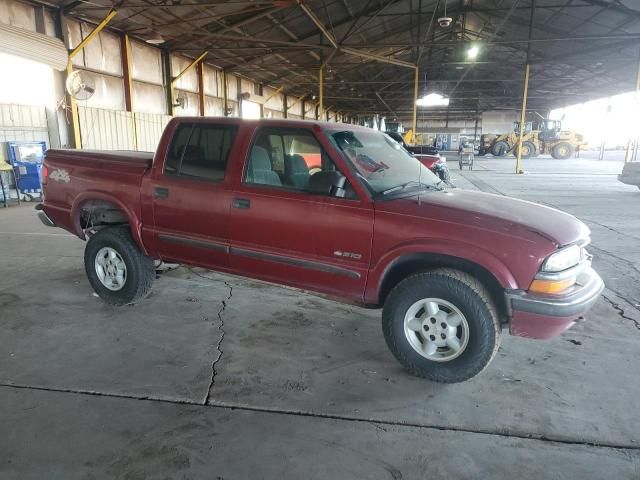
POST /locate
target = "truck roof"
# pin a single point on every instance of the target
(281, 122)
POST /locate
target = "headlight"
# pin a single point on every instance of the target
(561, 260)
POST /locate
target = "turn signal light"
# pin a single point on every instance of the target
(552, 286)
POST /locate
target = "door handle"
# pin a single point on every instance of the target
(242, 203)
(161, 192)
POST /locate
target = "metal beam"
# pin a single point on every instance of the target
(125, 53)
(75, 119)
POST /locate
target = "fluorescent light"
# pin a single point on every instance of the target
(473, 52)
(433, 100)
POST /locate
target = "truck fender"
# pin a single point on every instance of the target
(439, 252)
(134, 222)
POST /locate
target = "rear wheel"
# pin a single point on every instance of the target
(562, 151)
(441, 325)
(117, 270)
(500, 149)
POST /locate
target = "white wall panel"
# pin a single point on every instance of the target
(102, 53)
(212, 82)
(232, 87)
(192, 107)
(146, 63)
(17, 14)
(104, 129)
(109, 93)
(213, 107)
(149, 98)
(276, 102)
(189, 81)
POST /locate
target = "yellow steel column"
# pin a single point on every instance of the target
(414, 125)
(522, 118)
(128, 87)
(74, 105)
(75, 119)
(177, 77)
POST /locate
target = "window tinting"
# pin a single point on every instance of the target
(180, 140)
(204, 153)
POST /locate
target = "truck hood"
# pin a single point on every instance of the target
(487, 211)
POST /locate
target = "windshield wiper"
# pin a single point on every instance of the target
(412, 182)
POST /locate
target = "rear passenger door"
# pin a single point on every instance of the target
(192, 196)
(282, 233)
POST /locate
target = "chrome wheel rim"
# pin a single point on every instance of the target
(110, 269)
(436, 329)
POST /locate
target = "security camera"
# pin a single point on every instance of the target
(444, 22)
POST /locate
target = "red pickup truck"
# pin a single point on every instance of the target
(451, 268)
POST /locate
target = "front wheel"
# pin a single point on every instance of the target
(441, 325)
(117, 270)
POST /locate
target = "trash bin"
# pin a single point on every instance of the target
(26, 159)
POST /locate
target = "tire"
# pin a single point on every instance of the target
(445, 175)
(139, 271)
(528, 150)
(460, 291)
(500, 149)
(562, 151)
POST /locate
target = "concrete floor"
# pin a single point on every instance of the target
(223, 378)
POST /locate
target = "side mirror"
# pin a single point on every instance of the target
(327, 183)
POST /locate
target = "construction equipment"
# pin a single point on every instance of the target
(506, 142)
(552, 140)
(548, 138)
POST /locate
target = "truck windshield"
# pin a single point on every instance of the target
(382, 163)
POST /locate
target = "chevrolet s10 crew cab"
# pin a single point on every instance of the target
(331, 208)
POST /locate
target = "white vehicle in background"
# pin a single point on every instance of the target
(630, 174)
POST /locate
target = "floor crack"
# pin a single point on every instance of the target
(621, 312)
(221, 311)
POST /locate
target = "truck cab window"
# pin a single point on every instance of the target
(287, 158)
(200, 153)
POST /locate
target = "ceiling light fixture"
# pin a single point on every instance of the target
(472, 53)
(154, 38)
(433, 100)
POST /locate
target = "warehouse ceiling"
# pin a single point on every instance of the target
(579, 49)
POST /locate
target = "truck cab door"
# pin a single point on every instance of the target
(191, 196)
(282, 232)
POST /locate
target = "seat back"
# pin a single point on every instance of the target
(297, 171)
(260, 170)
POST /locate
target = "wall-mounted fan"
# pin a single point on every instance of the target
(80, 85)
(181, 101)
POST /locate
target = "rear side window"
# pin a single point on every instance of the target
(200, 151)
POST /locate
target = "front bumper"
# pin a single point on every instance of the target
(545, 316)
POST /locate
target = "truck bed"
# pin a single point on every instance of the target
(123, 157)
(75, 176)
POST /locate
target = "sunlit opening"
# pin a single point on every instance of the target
(613, 120)
(25, 82)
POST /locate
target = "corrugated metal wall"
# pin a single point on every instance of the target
(149, 128)
(23, 123)
(104, 129)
